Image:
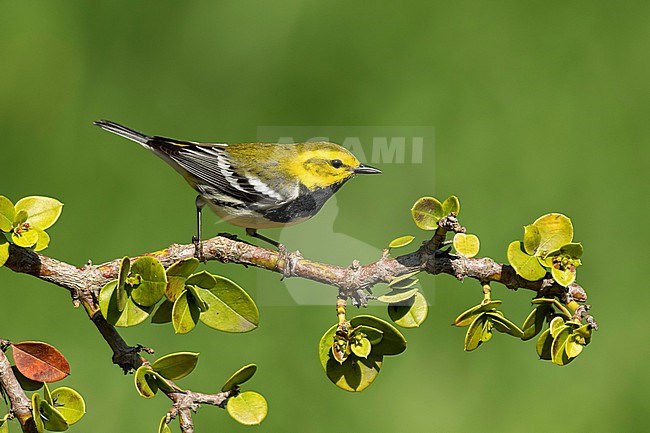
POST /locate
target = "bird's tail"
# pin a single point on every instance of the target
(123, 131)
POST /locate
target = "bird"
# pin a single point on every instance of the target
(254, 185)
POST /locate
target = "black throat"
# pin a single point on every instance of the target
(306, 205)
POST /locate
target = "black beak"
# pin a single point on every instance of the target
(366, 169)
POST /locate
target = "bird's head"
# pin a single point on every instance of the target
(323, 164)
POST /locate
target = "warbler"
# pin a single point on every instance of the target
(254, 185)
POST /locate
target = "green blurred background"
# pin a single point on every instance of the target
(537, 107)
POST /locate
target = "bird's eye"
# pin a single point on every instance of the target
(336, 163)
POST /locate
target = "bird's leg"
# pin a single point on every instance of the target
(283, 256)
(253, 233)
(196, 240)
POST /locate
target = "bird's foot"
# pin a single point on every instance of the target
(198, 249)
(286, 261)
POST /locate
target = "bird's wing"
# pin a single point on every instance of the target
(211, 168)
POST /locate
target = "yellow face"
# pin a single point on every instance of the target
(319, 165)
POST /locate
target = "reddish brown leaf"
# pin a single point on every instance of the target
(40, 361)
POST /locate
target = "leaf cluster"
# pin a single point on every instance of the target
(428, 211)
(352, 353)
(184, 297)
(24, 223)
(561, 342)
(547, 247)
(482, 320)
(565, 337)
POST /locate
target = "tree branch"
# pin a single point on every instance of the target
(84, 284)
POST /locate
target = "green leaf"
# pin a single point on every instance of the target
(133, 314)
(479, 331)
(466, 245)
(411, 313)
(105, 295)
(163, 385)
(47, 396)
(566, 313)
(176, 365)
(163, 313)
(374, 335)
(555, 230)
(20, 218)
(556, 325)
(177, 274)
(426, 213)
(185, 314)
(474, 336)
(400, 280)
(403, 283)
(361, 348)
(526, 266)
(42, 212)
(203, 280)
(247, 408)
(53, 420)
(543, 345)
(36, 412)
(43, 239)
(535, 321)
(145, 382)
(504, 325)
(240, 376)
(325, 345)
(164, 427)
(69, 403)
(392, 343)
(451, 204)
(125, 268)
(467, 317)
(355, 374)
(25, 238)
(572, 347)
(7, 214)
(401, 241)
(585, 332)
(396, 296)
(564, 278)
(487, 329)
(153, 281)
(532, 238)
(230, 308)
(4, 250)
(195, 292)
(558, 348)
(573, 250)
(4, 425)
